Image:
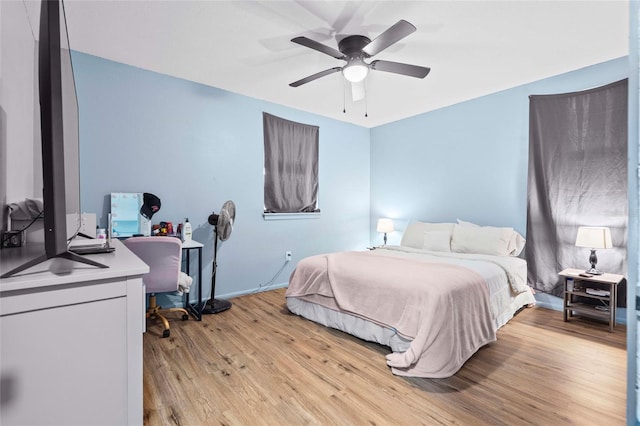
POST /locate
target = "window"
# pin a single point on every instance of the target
(290, 166)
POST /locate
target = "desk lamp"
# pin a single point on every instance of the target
(593, 237)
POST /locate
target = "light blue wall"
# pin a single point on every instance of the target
(469, 160)
(196, 147)
(466, 161)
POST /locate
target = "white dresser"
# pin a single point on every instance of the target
(71, 340)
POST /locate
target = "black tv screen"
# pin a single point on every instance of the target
(52, 124)
(59, 137)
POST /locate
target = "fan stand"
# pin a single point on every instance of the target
(215, 306)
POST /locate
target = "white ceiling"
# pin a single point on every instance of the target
(472, 47)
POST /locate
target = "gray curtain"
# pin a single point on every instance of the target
(290, 166)
(577, 177)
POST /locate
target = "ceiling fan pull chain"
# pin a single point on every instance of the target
(344, 97)
(366, 102)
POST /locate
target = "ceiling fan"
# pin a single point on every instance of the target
(356, 48)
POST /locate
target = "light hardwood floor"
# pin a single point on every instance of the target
(257, 364)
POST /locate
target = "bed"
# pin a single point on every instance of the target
(435, 299)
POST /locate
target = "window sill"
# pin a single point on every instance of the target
(290, 216)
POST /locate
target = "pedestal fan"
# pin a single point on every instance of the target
(222, 226)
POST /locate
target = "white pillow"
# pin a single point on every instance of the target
(414, 234)
(437, 241)
(463, 223)
(481, 240)
(516, 242)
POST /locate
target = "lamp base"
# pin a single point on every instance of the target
(593, 260)
(594, 271)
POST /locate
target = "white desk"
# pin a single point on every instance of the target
(197, 307)
(71, 339)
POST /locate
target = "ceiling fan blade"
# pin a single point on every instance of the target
(393, 34)
(357, 91)
(399, 68)
(311, 44)
(315, 76)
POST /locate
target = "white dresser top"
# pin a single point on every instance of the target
(121, 262)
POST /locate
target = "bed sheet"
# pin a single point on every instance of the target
(501, 281)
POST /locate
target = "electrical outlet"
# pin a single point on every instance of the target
(287, 256)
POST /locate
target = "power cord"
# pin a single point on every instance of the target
(39, 216)
(14, 238)
(265, 286)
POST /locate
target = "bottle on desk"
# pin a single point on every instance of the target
(186, 230)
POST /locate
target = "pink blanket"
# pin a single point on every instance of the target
(443, 308)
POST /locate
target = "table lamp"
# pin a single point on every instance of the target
(385, 225)
(593, 237)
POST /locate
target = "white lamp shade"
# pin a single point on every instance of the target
(594, 237)
(355, 71)
(385, 225)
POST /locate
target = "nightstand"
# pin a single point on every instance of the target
(578, 291)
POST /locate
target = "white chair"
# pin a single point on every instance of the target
(163, 255)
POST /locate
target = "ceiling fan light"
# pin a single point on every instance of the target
(355, 72)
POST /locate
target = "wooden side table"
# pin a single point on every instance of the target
(597, 287)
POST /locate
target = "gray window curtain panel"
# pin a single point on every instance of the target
(577, 177)
(291, 166)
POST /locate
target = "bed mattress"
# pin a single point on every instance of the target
(505, 280)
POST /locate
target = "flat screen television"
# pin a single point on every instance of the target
(59, 136)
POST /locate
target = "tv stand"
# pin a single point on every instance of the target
(38, 260)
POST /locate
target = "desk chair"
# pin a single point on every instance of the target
(163, 255)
